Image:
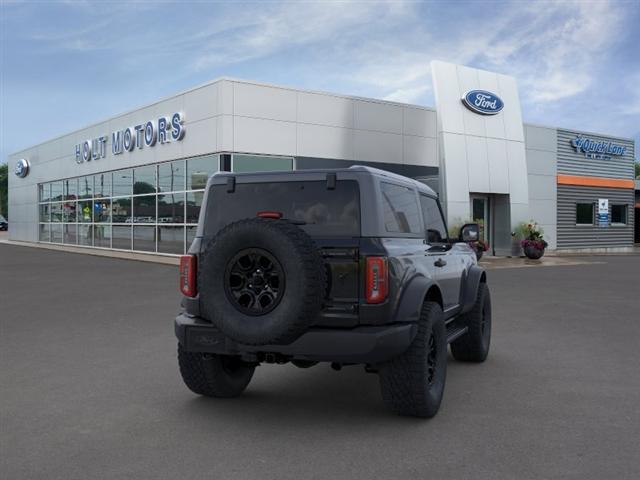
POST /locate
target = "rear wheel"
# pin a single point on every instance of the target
(473, 346)
(214, 375)
(413, 383)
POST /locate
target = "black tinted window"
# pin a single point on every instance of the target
(401, 214)
(584, 214)
(433, 221)
(325, 212)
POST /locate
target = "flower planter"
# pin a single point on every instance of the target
(533, 253)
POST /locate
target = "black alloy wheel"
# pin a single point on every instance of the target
(254, 281)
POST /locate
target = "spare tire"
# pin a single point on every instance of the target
(261, 281)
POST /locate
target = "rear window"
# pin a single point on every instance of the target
(325, 212)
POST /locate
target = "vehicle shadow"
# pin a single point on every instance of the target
(314, 396)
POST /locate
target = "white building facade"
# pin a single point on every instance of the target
(135, 181)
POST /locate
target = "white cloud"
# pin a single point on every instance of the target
(258, 33)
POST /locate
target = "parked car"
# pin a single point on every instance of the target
(349, 266)
(4, 224)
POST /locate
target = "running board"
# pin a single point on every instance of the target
(455, 333)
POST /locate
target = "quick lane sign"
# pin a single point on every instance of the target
(148, 134)
(598, 149)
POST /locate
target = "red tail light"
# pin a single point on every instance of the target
(188, 275)
(270, 214)
(377, 276)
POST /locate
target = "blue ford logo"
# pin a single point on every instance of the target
(483, 102)
(22, 168)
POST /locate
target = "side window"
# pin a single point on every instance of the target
(401, 213)
(433, 221)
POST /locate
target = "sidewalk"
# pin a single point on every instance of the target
(494, 263)
(99, 252)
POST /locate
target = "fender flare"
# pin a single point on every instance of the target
(412, 298)
(474, 277)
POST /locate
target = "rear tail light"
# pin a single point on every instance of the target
(270, 214)
(377, 278)
(188, 275)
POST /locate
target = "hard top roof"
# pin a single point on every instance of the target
(220, 177)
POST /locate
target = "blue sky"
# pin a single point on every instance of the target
(67, 64)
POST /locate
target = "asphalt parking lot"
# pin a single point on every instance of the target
(90, 389)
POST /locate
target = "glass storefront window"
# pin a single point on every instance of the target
(144, 209)
(122, 183)
(191, 234)
(144, 180)
(85, 212)
(121, 237)
(56, 233)
(260, 163)
(144, 238)
(71, 189)
(56, 212)
(194, 203)
(102, 210)
(171, 208)
(102, 183)
(171, 176)
(85, 187)
(45, 232)
(171, 239)
(121, 210)
(102, 236)
(200, 169)
(69, 212)
(150, 208)
(56, 191)
(45, 212)
(70, 233)
(85, 235)
(44, 192)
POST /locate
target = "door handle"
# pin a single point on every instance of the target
(440, 263)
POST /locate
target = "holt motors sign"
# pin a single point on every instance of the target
(148, 134)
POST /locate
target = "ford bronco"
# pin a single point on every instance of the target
(348, 266)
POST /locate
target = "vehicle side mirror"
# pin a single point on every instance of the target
(470, 232)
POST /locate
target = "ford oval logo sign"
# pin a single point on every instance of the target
(483, 102)
(22, 168)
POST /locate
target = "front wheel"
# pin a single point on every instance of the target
(413, 383)
(473, 346)
(214, 375)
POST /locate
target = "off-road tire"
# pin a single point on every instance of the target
(404, 381)
(211, 375)
(302, 269)
(474, 345)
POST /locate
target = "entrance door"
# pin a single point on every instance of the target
(481, 214)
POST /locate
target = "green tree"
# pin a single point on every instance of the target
(638, 170)
(4, 189)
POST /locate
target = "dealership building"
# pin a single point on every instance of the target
(135, 182)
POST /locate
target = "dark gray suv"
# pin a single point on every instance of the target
(348, 266)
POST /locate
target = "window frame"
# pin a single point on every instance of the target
(593, 214)
(625, 215)
(49, 227)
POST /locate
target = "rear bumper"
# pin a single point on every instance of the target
(364, 344)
